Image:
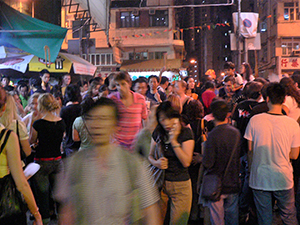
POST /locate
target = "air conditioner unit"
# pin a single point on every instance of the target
(151, 11)
(135, 12)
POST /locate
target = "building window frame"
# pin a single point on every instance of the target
(289, 44)
(159, 19)
(291, 11)
(129, 19)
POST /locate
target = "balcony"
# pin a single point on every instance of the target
(146, 37)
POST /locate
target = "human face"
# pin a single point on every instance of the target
(23, 91)
(5, 82)
(101, 123)
(242, 69)
(191, 83)
(17, 98)
(153, 83)
(141, 88)
(33, 105)
(178, 88)
(167, 123)
(96, 90)
(228, 87)
(45, 78)
(229, 72)
(123, 87)
(67, 80)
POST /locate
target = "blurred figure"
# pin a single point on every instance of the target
(35, 85)
(69, 113)
(34, 113)
(83, 87)
(246, 72)
(229, 70)
(180, 88)
(208, 95)
(164, 83)
(93, 91)
(23, 94)
(48, 133)
(292, 99)
(10, 162)
(18, 104)
(177, 145)
(45, 77)
(141, 87)
(66, 80)
(221, 145)
(5, 81)
(132, 108)
(110, 83)
(103, 91)
(190, 90)
(175, 102)
(153, 93)
(121, 175)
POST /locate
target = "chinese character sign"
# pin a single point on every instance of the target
(290, 63)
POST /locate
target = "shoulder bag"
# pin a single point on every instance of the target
(11, 200)
(212, 183)
(157, 175)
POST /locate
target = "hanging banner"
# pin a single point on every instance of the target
(248, 24)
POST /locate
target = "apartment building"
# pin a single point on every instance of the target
(280, 37)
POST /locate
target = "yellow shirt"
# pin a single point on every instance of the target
(3, 160)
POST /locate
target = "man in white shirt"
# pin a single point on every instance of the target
(273, 140)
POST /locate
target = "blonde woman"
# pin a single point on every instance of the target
(10, 162)
(48, 131)
(11, 120)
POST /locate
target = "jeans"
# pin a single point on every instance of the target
(43, 184)
(225, 211)
(180, 195)
(285, 202)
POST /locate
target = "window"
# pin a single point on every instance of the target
(263, 26)
(97, 59)
(274, 16)
(291, 11)
(289, 44)
(146, 55)
(128, 19)
(159, 19)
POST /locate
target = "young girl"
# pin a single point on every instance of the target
(177, 144)
(49, 131)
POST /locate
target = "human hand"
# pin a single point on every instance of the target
(157, 97)
(197, 158)
(162, 163)
(38, 219)
(175, 131)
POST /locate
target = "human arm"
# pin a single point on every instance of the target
(250, 153)
(14, 164)
(162, 162)
(75, 135)
(33, 136)
(183, 151)
(26, 147)
(67, 214)
(294, 153)
(162, 70)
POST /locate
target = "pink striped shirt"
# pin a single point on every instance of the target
(130, 118)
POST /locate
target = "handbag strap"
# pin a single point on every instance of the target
(230, 159)
(5, 138)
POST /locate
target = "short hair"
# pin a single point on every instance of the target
(72, 94)
(296, 78)
(276, 93)
(153, 76)
(164, 79)
(88, 105)
(209, 84)
(35, 82)
(229, 78)
(5, 76)
(81, 83)
(43, 72)
(229, 65)
(219, 109)
(141, 80)
(123, 75)
(253, 90)
(195, 110)
(23, 84)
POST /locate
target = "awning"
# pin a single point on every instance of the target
(30, 34)
(151, 65)
(16, 59)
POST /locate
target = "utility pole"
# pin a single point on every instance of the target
(238, 35)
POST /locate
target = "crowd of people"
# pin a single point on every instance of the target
(95, 142)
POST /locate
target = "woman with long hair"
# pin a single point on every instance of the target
(177, 145)
(93, 90)
(10, 162)
(291, 104)
(48, 131)
(246, 72)
(190, 90)
(11, 120)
